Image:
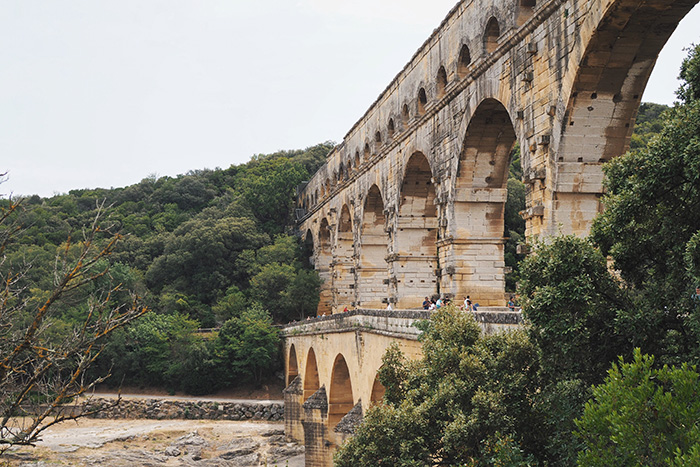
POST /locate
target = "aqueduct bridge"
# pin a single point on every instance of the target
(411, 202)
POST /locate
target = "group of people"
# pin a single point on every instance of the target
(435, 304)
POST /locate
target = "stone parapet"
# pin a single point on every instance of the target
(397, 323)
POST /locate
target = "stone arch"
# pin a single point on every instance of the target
(357, 159)
(414, 264)
(344, 261)
(422, 101)
(405, 114)
(323, 266)
(292, 366)
(340, 399)
(441, 83)
(463, 61)
(525, 10)
(311, 379)
(341, 173)
(378, 391)
(374, 244)
(367, 151)
(601, 107)
(308, 247)
(491, 35)
(476, 223)
(378, 137)
(390, 128)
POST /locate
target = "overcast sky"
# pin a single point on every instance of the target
(105, 93)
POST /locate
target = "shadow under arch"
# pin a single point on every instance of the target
(374, 243)
(378, 391)
(343, 276)
(292, 366)
(311, 379)
(340, 399)
(415, 261)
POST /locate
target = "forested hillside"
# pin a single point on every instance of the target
(211, 248)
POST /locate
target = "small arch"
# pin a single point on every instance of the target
(441, 82)
(292, 367)
(308, 247)
(311, 380)
(378, 137)
(463, 62)
(493, 31)
(526, 9)
(367, 151)
(357, 158)
(405, 115)
(341, 172)
(341, 399)
(422, 101)
(378, 391)
(391, 128)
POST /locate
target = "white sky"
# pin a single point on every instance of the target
(104, 93)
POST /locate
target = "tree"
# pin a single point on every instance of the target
(247, 346)
(642, 415)
(652, 220)
(468, 399)
(39, 369)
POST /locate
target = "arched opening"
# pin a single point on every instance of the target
(463, 62)
(373, 269)
(357, 159)
(476, 265)
(341, 173)
(308, 247)
(378, 137)
(405, 115)
(378, 391)
(422, 101)
(311, 380)
(526, 8)
(340, 400)
(391, 129)
(493, 31)
(323, 266)
(416, 260)
(315, 196)
(367, 151)
(441, 82)
(292, 367)
(343, 274)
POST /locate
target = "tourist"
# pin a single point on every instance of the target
(468, 305)
(432, 305)
(511, 303)
(388, 306)
(438, 304)
(426, 303)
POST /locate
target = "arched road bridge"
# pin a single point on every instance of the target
(411, 202)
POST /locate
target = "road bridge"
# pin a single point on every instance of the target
(331, 369)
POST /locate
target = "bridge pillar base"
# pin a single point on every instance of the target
(474, 268)
(319, 452)
(293, 412)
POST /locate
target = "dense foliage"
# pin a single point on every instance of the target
(202, 249)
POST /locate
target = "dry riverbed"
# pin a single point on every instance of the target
(132, 443)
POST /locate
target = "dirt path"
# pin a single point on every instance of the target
(132, 443)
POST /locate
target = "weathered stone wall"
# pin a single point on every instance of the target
(160, 409)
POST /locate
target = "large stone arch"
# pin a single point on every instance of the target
(344, 261)
(340, 398)
(374, 244)
(311, 376)
(414, 261)
(600, 107)
(292, 365)
(324, 258)
(472, 246)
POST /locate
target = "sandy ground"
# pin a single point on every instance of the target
(98, 442)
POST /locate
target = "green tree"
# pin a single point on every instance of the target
(247, 347)
(642, 416)
(466, 393)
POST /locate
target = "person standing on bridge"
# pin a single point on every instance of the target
(426, 303)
